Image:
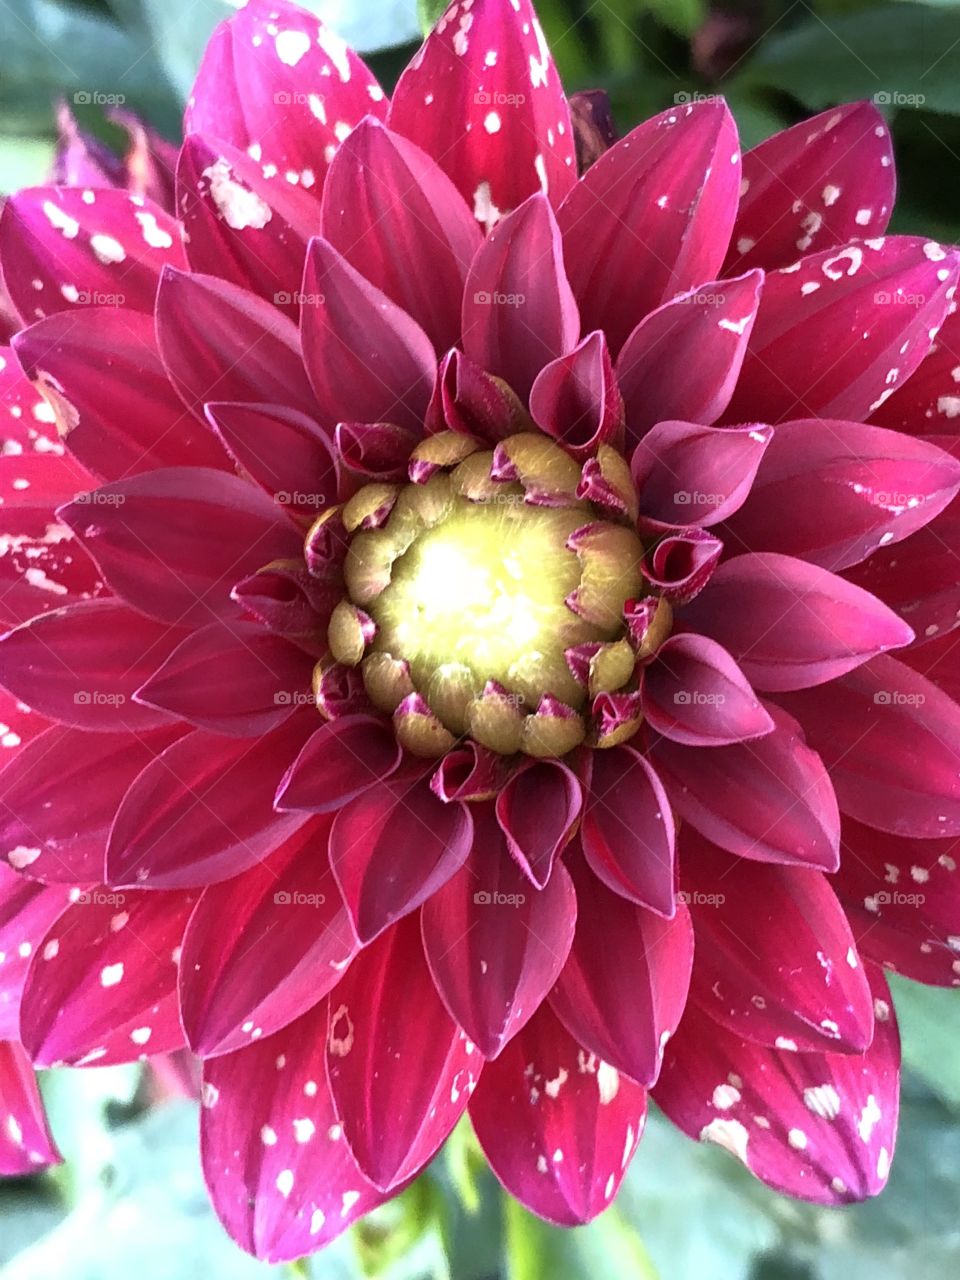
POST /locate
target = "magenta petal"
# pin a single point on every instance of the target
(375, 450)
(928, 400)
(576, 399)
(558, 1126)
(400, 1070)
(395, 846)
(221, 342)
(824, 182)
(27, 910)
(494, 944)
(538, 810)
(860, 724)
(203, 810)
(389, 209)
(26, 1144)
(628, 831)
(281, 1177)
(834, 492)
(339, 762)
(696, 694)
(807, 356)
(624, 985)
(790, 624)
(114, 436)
(264, 947)
(518, 311)
(652, 217)
(277, 84)
(692, 475)
(102, 986)
(107, 252)
(232, 678)
(769, 800)
(682, 361)
(58, 797)
(459, 101)
(58, 664)
(680, 565)
(367, 360)
(173, 542)
(814, 998)
(818, 1126)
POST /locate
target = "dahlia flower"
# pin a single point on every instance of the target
(456, 629)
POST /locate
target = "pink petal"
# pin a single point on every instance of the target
(790, 624)
(928, 400)
(558, 1125)
(824, 182)
(813, 996)
(281, 1177)
(693, 475)
(276, 83)
(26, 1144)
(494, 944)
(400, 1070)
(203, 811)
(681, 564)
(652, 217)
(834, 492)
(518, 311)
(27, 910)
(769, 800)
(104, 253)
(395, 846)
(538, 810)
(102, 986)
(624, 985)
(891, 741)
(172, 543)
(695, 693)
(367, 360)
(807, 356)
(339, 762)
(576, 399)
(484, 99)
(264, 947)
(628, 832)
(389, 209)
(819, 1126)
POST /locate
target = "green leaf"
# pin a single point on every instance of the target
(607, 1249)
(930, 1033)
(428, 11)
(900, 55)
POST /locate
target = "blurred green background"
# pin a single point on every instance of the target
(130, 1197)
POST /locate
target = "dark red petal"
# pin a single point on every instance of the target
(807, 356)
(538, 811)
(680, 565)
(834, 492)
(819, 1126)
(494, 943)
(692, 475)
(558, 1125)
(339, 762)
(60, 665)
(790, 624)
(518, 311)
(276, 83)
(26, 1144)
(281, 1177)
(891, 741)
(483, 97)
(400, 1070)
(393, 847)
(108, 251)
(233, 678)
(172, 543)
(769, 800)
(808, 995)
(824, 182)
(628, 832)
(102, 986)
(682, 361)
(576, 399)
(203, 811)
(115, 436)
(624, 985)
(367, 360)
(695, 693)
(652, 217)
(264, 947)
